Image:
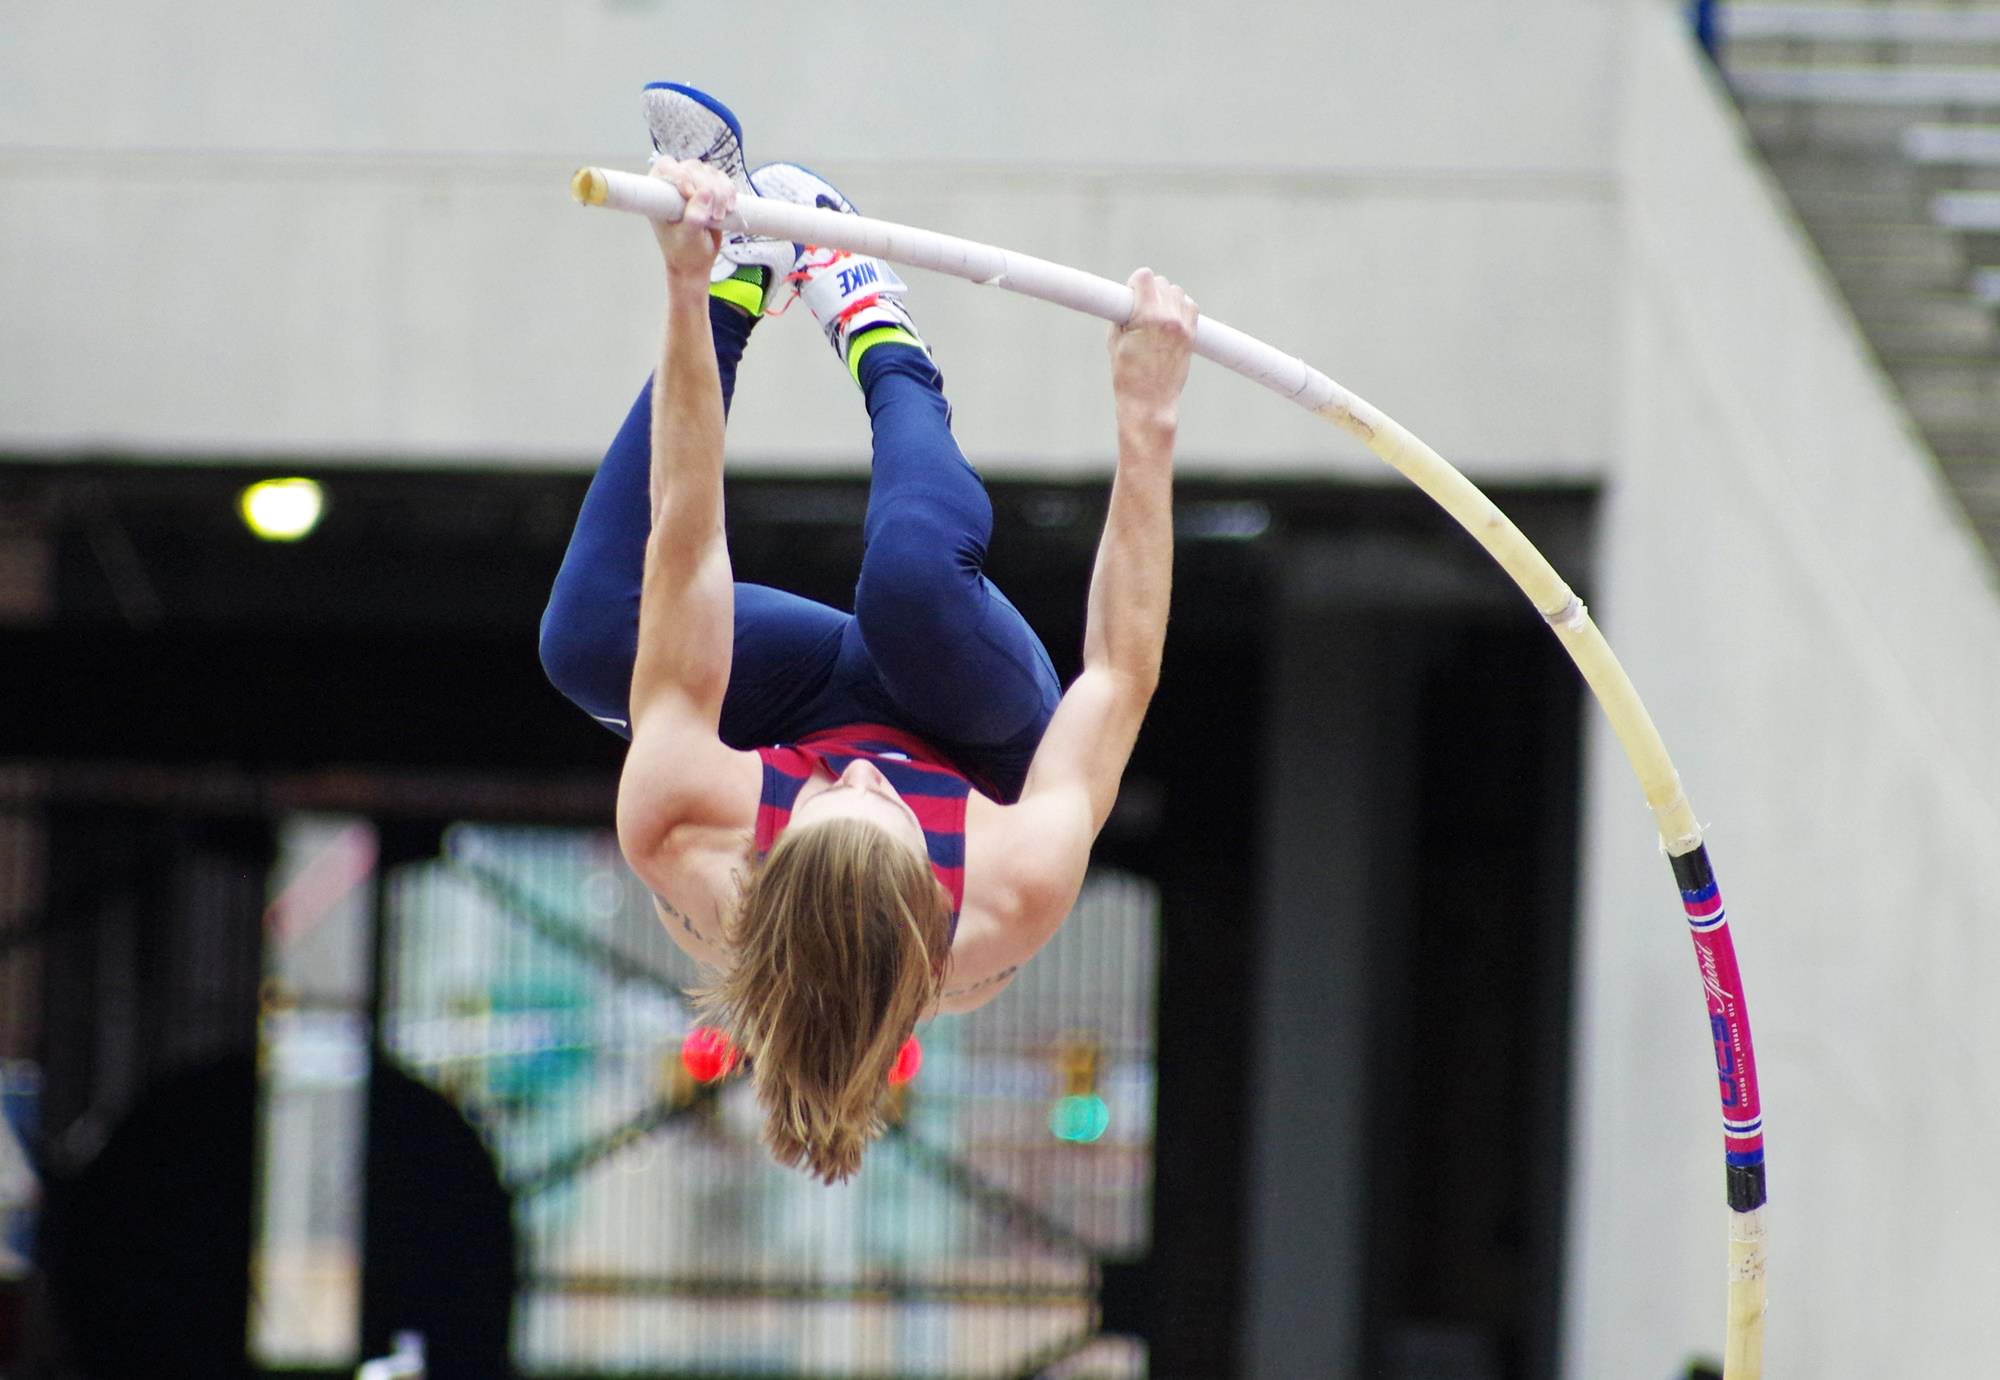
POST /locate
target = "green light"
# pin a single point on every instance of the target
(1079, 1118)
(282, 509)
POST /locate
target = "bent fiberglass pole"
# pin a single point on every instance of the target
(1722, 986)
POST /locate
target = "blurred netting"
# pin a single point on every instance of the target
(313, 1094)
(526, 977)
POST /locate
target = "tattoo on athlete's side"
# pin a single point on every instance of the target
(686, 924)
(983, 983)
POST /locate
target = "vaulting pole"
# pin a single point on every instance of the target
(1722, 985)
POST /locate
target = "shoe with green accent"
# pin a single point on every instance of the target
(746, 288)
(687, 124)
(856, 298)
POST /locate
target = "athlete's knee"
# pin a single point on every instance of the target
(562, 651)
(580, 655)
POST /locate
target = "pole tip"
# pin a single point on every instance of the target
(589, 186)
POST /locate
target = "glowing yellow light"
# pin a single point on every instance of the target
(282, 509)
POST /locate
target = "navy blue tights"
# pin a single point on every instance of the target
(932, 645)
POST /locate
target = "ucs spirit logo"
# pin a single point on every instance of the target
(1725, 1058)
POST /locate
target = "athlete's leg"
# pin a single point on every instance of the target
(953, 653)
(590, 630)
(786, 648)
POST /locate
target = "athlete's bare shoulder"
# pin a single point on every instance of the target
(1025, 851)
(675, 790)
(1023, 864)
(687, 812)
(986, 824)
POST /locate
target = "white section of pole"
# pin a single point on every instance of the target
(979, 263)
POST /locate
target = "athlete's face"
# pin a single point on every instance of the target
(862, 792)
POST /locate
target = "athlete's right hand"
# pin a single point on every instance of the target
(689, 245)
(1149, 353)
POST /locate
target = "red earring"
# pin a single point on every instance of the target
(909, 1059)
(707, 1053)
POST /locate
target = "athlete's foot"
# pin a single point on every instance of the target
(690, 124)
(856, 298)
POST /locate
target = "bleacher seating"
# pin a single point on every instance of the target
(1882, 123)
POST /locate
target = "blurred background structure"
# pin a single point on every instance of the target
(327, 1011)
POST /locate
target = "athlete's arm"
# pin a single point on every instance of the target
(679, 777)
(1073, 780)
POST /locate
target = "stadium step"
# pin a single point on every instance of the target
(1978, 484)
(1925, 323)
(1927, 268)
(1951, 397)
(1882, 125)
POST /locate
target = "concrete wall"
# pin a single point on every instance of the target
(341, 230)
(1804, 609)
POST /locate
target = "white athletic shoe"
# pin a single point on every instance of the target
(690, 124)
(850, 295)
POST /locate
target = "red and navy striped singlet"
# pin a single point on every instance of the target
(934, 791)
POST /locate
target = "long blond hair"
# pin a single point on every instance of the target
(841, 935)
